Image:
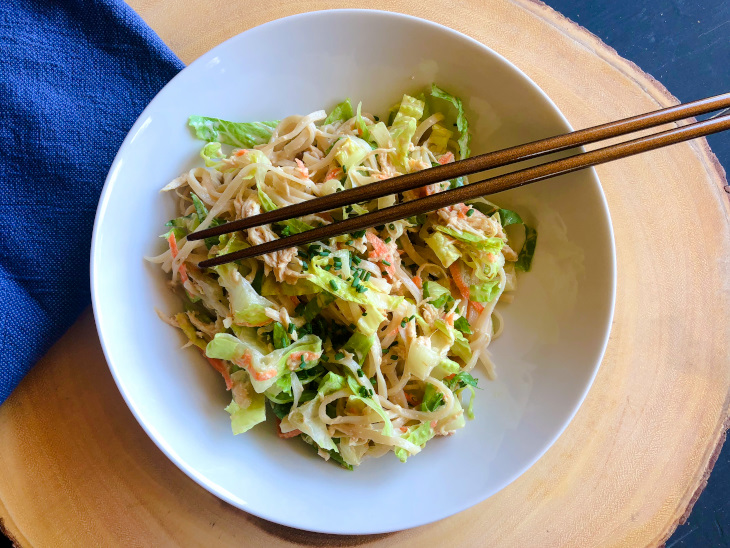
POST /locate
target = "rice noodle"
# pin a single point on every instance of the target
(342, 315)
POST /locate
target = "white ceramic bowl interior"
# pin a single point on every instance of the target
(556, 329)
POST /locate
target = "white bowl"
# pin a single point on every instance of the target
(556, 329)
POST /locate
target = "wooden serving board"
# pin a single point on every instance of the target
(79, 471)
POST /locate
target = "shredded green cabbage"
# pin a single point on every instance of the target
(348, 338)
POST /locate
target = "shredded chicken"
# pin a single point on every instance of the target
(429, 313)
(350, 311)
(477, 223)
(280, 261)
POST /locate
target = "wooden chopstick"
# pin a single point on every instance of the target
(473, 165)
(480, 188)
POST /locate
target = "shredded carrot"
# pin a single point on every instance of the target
(479, 307)
(417, 280)
(449, 319)
(241, 152)
(183, 273)
(294, 299)
(173, 244)
(174, 251)
(446, 158)
(433, 423)
(220, 366)
(403, 429)
(265, 376)
(302, 168)
(246, 363)
(455, 270)
(333, 173)
(288, 434)
(381, 252)
(380, 248)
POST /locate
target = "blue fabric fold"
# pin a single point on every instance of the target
(74, 76)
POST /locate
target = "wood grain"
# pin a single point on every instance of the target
(79, 471)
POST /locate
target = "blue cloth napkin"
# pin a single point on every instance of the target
(74, 76)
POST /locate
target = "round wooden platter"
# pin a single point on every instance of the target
(79, 471)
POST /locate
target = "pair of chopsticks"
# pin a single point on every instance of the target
(476, 164)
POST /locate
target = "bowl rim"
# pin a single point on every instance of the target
(159, 440)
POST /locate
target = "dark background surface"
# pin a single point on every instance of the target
(686, 46)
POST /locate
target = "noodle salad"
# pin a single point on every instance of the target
(363, 344)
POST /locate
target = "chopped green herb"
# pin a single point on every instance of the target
(470, 212)
(258, 279)
(460, 380)
(339, 356)
(360, 373)
(386, 263)
(508, 217)
(524, 259)
(393, 356)
(333, 285)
